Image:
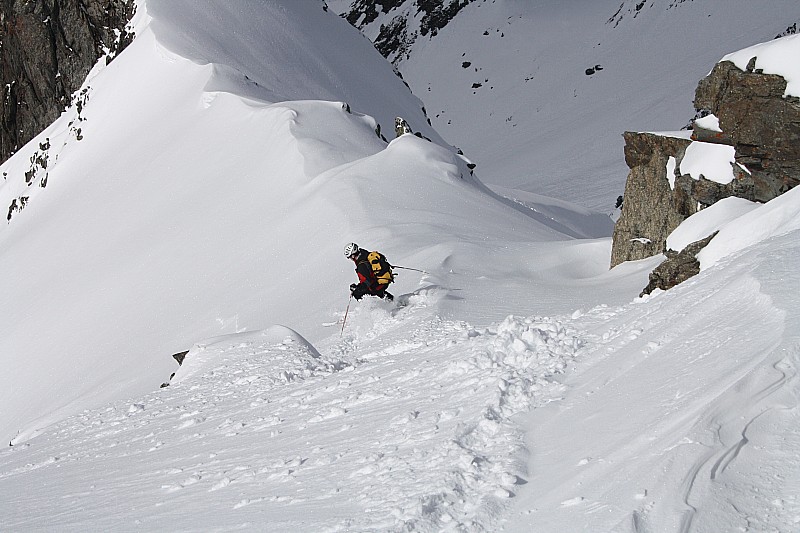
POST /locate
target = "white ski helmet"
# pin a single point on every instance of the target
(350, 250)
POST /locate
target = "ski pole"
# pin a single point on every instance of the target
(345, 315)
(414, 269)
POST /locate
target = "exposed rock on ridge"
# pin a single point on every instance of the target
(48, 47)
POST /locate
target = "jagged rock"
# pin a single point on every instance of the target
(364, 12)
(695, 194)
(678, 267)
(414, 18)
(710, 136)
(180, 356)
(759, 122)
(48, 48)
(652, 209)
(394, 39)
(401, 127)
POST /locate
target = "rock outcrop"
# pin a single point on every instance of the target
(179, 357)
(650, 210)
(678, 267)
(48, 47)
(410, 19)
(755, 118)
(760, 122)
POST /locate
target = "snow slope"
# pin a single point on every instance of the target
(515, 385)
(400, 422)
(188, 211)
(685, 415)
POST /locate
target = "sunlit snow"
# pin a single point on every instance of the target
(515, 384)
(774, 57)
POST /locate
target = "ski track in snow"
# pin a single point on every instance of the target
(438, 405)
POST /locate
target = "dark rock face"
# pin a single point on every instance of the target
(761, 124)
(651, 209)
(369, 10)
(395, 38)
(48, 47)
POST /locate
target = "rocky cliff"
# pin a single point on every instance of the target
(651, 207)
(749, 116)
(47, 49)
(407, 21)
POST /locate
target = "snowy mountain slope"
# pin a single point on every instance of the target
(186, 211)
(656, 413)
(507, 81)
(273, 56)
(192, 216)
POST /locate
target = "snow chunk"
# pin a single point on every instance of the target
(712, 161)
(774, 57)
(710, 123)
(680, 134)
(671, 164)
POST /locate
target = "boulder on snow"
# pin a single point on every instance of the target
(678, 267)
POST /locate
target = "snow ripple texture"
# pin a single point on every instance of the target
(403, 423)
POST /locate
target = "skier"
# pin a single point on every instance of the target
(374, 273)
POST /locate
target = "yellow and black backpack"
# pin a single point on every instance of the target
(380, 268)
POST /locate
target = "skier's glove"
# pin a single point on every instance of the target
(355, 292)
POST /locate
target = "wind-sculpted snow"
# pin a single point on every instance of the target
(287, 353)
(285, 50)
(403, 422)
